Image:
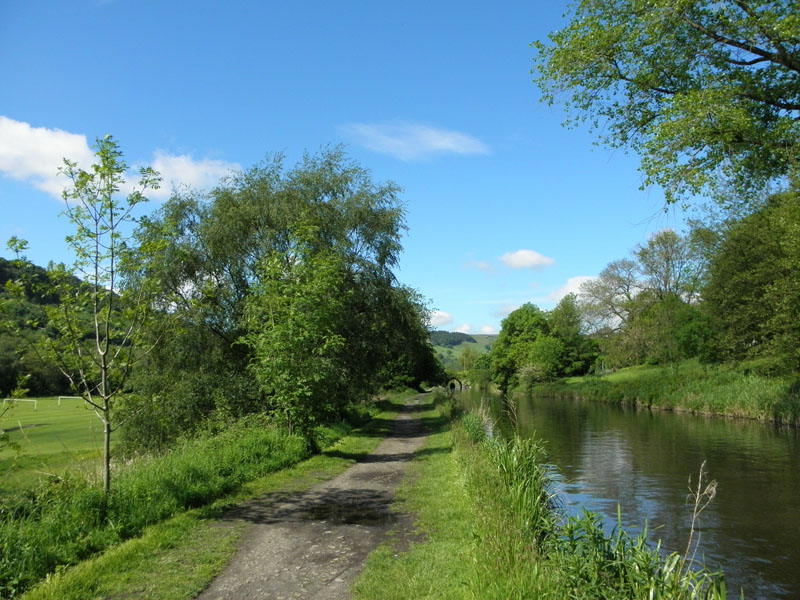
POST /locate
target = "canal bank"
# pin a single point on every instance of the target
(608, 456)
(489, 528)
(722, 390)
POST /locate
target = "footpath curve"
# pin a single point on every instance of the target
(312, 545)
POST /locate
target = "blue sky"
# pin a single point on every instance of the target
(504, 205)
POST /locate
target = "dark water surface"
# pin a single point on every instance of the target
(642, 461)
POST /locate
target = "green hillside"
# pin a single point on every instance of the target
(450, 355)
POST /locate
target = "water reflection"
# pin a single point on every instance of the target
(642, 461)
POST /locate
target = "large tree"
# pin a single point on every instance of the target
(237, 268)
(706, 91)
(645, 307)
(752, 296)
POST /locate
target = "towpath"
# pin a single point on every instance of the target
(312, 545)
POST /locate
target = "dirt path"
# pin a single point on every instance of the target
(313, 545)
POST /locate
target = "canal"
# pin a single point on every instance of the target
(642, 460)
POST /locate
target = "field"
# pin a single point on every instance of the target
(46, 438)
(450, 355)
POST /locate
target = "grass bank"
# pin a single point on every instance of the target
(489, 529)
(723, 390)
(156, 536)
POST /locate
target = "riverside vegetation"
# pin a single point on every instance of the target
(493, 529)
(77, 543)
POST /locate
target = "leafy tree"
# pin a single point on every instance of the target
(98, 323)
(297, 316)
(480, 372)
(707, 92)
(645, 308)
(752, 297)
(545, 361)
(518, 332)
(467, 358)
(221, 257)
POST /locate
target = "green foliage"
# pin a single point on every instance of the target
(535, 345)
(706, 92)
(98, 324)
(749, 390)
(234, 267)
(646, 308)
(26, 291)
(752, 297)
(299, 314)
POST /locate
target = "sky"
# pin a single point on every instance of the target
(503, 204)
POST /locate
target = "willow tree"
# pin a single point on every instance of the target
(99, 324)
(706, 91)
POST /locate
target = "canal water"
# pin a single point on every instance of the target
(640, 460)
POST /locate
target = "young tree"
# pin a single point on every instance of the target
(99, 322)
(706, 91)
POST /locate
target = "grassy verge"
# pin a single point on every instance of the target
(490, 530)
(719, 391)
(176, 555)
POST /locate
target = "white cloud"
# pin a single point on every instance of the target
(34, 154)
(439, 318)
(410, 141)
(488, 329)
(464, 328)
(526, 259)
(573, 286)
(183, 170)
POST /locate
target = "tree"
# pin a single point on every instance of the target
(752, 297)
(99, 323)
(221, 257)
(644, 308)
(518, 332)
(298, 316)
(706, 91)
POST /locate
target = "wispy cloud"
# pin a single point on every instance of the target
(480, 265)
(412, 141)
(573, 286)
(465, 328)
(488, 329)
(526, 259)
(185, 171)
(439, 318)
(34, 155)
(506, 310)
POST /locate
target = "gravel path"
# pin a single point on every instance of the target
(313, 544)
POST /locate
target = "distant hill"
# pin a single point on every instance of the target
(450, 345)
(450, 338)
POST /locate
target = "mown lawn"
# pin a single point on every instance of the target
(47, 438)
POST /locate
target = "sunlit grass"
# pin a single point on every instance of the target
(46, 438)
(162, 506)
(727, 390)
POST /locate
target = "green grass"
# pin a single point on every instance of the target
(178, 557)
(48, 439)
(434, 565)
(723, 390)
